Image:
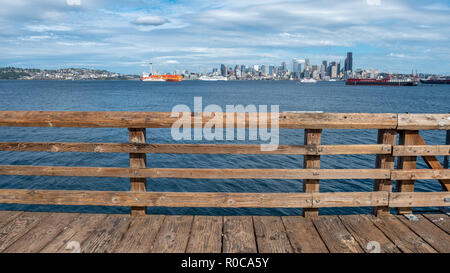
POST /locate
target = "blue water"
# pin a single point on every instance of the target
(138, 96)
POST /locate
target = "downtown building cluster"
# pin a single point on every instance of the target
(297, 69)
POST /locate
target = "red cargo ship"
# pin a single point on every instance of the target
(388, 81)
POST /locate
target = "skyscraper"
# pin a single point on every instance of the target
(223, 70)
(306, 64)
(348, 65)
(294, 66)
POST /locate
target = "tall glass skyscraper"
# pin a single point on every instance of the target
(348, 66)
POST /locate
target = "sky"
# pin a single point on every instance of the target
(125, 35)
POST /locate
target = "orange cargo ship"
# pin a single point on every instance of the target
(160, 78)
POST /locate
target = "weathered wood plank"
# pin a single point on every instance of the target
(193, 148)
(349, 199)
(365, 232)
(107, 235)
(440, 220)
(194, 199)
(78, 231)
(335, 235)
(406, 163)
(303, 235)
(312, 137)
(173, 235)
(138, 160)
(422, 149)
(384, 161)
(8, 216)
(418, 199)
(206, 235)
(418, 174)
(238, 235)
(140, 235)
(424, 121)
(406, 240)
(18, 227)
(41, 234)
(433, 163)
(271, 235)
(287, 120)
(195, 173)
(429, 232)
(447, 142)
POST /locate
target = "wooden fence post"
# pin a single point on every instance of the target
(447, 142)
(384, 161)
(138, 160)
(405, 163)
(312, 137)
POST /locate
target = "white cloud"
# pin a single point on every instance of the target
(171, 62)
(150, 21)
(73, 2)
(373, 2)
(46, 28)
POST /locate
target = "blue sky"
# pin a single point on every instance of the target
(124, 35)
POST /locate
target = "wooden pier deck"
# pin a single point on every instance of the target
(398, 146)
(51, 232)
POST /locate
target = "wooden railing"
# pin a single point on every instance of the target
(382, 199)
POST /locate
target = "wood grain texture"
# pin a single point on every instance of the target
(384, 161)
(41, 234)
(138, 160)
(440, 220)
(173, 235)
(429, 232)
(194, 199)
(406, 240)
(433, 163)
(140, 235)
(423, 121)
(303, 236)
(238, 235)
(56, 147)
(421, 150)
(195, 173)
(19, 226)
(271, 235)
(107, 235)
(7, 216)
(406, 163)
(312, 137)
(365, 232)
(206, 235)
(78, 231)
(287, 120)
(418, 199)
(335, 235)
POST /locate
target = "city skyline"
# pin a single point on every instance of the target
(124, 36)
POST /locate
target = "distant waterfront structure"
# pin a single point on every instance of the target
(223, 70)
(348, 65)
(307, 65)
(283, 68)
(264, 70)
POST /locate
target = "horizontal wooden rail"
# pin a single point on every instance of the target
(193, 148)
(220, 199)
(287, 120)
(423, 122)
(418, 150)
(195, 173)
(416, 174)
(408, 125)
(191, 173)
(194, 199)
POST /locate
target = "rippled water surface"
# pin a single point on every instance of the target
(138, 96)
